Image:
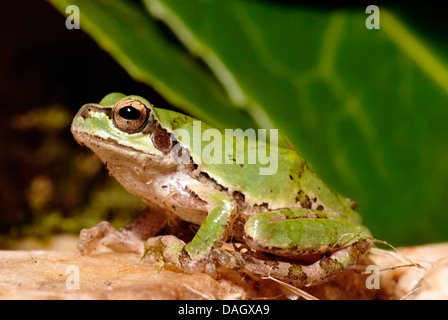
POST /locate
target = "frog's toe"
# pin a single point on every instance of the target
(104, 234)
(89, 238)
(167, 248)
(124, 241)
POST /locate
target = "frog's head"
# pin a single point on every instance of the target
(126, 134)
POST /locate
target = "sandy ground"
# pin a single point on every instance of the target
(60, 272)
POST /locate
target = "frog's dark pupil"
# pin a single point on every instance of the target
(129, 113)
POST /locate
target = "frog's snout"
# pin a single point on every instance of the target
(85, 112)
(89, 110)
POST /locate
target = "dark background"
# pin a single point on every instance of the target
(46, 73)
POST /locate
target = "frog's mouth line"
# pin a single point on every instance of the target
(95, 142)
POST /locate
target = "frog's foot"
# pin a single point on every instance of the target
(127, 239)
(291, 271)
(196, 256)
(170, 249)
(104, 234)
(165, 249)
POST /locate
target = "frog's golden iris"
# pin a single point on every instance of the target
(130, 115)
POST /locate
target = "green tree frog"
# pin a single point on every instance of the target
(289, 224)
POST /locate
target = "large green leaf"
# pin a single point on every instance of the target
(367, 108)
(126, 31)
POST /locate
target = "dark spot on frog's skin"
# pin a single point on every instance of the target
(271, 264)
(162, 140)
(247, 257)
(241, 165)
(173, 207)
(184, 258)
(164, 187)
(330, 266)
(193, 164)
(204, 174)
(213, 181)
(275, 265)
(263, 205)
(325, 255)
(320, 208)
(194, 195)
(352, 203)
(219, 186)
(306, 203)
(231, 157)
(290, 177)
(304, 200)
(181, 150)
(337, 246)
(294, 274)
(238, 196)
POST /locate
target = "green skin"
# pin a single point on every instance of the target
(291, 214)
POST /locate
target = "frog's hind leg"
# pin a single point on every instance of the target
(130, 238)
(305, 247)
(293, 272)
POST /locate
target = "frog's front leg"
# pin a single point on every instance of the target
(127, 239)
(194, 256)
(311, 246)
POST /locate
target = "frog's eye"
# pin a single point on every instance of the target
(130, 115)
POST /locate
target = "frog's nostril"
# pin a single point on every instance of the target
(85, 113)
(90, 109)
